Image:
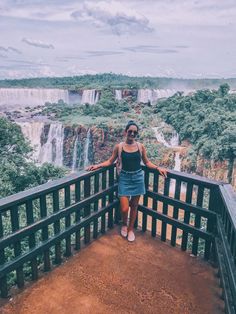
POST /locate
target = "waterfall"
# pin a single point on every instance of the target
(32, 132)
(177, 166)
(174, 142)
(75, 154)
(160, 137)
(52, 150)
(118, 94)
(90, 96)
(86, 149)
(145, 96)
(152, 95)
(31, 96)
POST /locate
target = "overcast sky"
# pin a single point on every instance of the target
(174, 38)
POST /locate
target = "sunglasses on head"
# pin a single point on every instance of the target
(131, 131)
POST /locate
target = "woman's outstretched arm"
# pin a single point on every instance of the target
(106, 163)
(150, 165)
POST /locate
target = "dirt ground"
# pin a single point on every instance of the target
(112, 275)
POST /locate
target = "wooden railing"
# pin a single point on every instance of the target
(201, 216)
(40, 226)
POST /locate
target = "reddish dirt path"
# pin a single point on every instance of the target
(112, 275)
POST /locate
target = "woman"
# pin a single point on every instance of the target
(131, 180)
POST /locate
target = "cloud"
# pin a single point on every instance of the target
(14, 50)
(119, 18)
(102, 53)
(9, 49)
(150, 49)
(3, 49)
(37, 43)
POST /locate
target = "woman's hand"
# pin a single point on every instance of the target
(162, 171)
(92, 167)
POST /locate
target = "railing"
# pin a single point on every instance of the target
(202, 216)
(39, 226)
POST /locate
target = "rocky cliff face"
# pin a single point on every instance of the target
(216, 170)
(104, 140)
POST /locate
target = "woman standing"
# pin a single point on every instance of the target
(131, 180)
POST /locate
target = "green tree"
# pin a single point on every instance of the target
(224, 89)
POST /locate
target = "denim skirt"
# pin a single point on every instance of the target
(131, 183)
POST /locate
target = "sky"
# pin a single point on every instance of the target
(163, 38)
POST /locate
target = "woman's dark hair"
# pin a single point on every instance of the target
(131, 122)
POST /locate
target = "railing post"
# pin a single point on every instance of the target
(30, 220)
(68, 220)
(187, 216)
(43, 213)
(96, 190)
(17, 246)
(111, 198)
(145, 199)
(77, 213)
(87, 186)
(57, 227)
(3, 280)
(155, 203)
(165, 208)
(103, 219)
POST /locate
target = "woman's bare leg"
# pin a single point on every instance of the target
(124, 207)
(133, 212)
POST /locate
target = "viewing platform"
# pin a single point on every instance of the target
(182, 261)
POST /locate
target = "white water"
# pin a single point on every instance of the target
(32, 132)
(52, 150)
(86, 149)
(90, 96)
(118, 94)
(75, 154)
(31, 96)
(152, 95)
(174, 142)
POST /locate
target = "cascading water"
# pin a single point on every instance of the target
(118, 94)
(90, 96)
(152, 95)
(86, 149)
(31, 96)
(52, 150)
(75, 154)
(174, 142)
(32, 132)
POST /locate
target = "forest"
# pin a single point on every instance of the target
(207, 119)
(99, 81)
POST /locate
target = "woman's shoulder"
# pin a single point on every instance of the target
(140, 144)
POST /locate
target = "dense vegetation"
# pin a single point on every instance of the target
(107, 106)
(16, 172)
(100, 81)
(207, 119)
